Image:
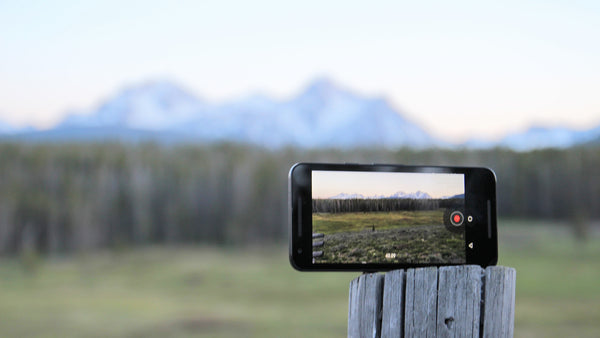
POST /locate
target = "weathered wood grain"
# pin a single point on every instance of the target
(499, 298)
(421, 302)
(353, 308)
(364, 307)
(452, 301)
(459, 301)
(393, 304)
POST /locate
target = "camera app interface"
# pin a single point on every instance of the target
(388, 217)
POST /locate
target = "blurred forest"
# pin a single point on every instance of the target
(62, 198)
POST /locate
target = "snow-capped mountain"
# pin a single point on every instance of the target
(322, 115)
(413, 195)
(400, 194)
(540, 137)
(325, 114)
(8, 129)
(156, 105)
(345, 196)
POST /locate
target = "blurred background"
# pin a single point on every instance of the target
(145, 146)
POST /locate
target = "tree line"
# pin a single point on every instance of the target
(65, 197)
(381, 204)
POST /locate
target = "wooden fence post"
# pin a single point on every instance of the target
(450, 301)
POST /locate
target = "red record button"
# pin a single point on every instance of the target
(456, 218)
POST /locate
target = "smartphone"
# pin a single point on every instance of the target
(378, 217)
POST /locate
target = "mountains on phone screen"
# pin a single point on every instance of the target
(400, 195)
(324, 114)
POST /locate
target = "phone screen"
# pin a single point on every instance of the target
(370, 217)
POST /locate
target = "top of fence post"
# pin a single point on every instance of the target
(462, 300)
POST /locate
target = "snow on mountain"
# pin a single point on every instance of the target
(413, 195)
(322, 115)
(325, 114)
(7, 129)
(157, 105)
(345, 196)
(400, 194)
(251, 119)
(538, 138)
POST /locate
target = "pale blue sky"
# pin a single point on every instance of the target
(326, 184)
(458, 68)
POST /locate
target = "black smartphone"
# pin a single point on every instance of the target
(377, 217)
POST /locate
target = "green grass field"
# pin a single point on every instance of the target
(212, 292)
(329, 223)
(388, 237)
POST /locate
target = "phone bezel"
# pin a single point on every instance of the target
(480, 202)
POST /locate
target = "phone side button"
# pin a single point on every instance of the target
(489, 218)
(299, 218)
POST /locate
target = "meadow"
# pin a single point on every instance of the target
(203, 291)
(329, 223)
(387, 237)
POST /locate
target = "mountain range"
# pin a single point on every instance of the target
(400, 194)
(541, 137)
(324, 114)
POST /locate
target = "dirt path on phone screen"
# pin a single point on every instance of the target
(419, 244)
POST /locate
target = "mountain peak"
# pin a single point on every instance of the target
(324, 114)
(324, 89)
(322, 83)
(162, 89)
(398, 195)
(151, 105)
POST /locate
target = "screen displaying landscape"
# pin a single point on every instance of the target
(386, 217)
